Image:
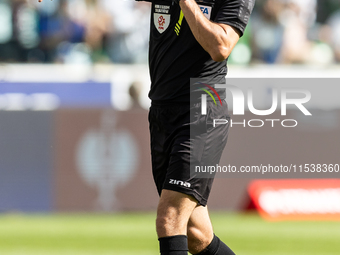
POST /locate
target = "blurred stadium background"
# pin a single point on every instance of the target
(75, 172)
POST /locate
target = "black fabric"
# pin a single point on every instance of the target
(173, 245)
(174, 54)
(174, 149)
(212, 247)
(216, 247)
(235, 13)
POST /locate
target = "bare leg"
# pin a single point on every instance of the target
(173, 213)
(200, 232)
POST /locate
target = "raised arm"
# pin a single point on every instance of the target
(216, 38)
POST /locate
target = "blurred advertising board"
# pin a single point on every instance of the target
(75, 160)
(102, 161)
(50, 95)
(26, 161)
(297, 199)
(67, 145)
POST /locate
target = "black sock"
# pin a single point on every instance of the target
(174, 245)
(216, 247)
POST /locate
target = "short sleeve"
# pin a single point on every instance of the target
(235, 13)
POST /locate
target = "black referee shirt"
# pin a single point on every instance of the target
(174, 54)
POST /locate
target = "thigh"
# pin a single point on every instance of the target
(176, 203)
(178, 177)
(173, 212)
(197, 142)
(175, 150)
(160, 154)
(209, 143)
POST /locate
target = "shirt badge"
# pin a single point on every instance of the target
(162, 22)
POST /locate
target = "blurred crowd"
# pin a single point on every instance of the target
(296, 31)
(116, 31)
(73, 31)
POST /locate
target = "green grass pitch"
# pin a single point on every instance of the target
(134, 234)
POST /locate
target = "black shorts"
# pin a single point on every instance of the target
(172, 146)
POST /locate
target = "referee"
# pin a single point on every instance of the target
(188, 39)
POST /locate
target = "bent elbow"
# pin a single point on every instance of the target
(220, 54)
(218, 57)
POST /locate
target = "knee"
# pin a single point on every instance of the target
(173, 212)
(197, 240)
(169, 223)
(164, 221)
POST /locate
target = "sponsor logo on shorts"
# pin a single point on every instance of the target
(181, 183)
